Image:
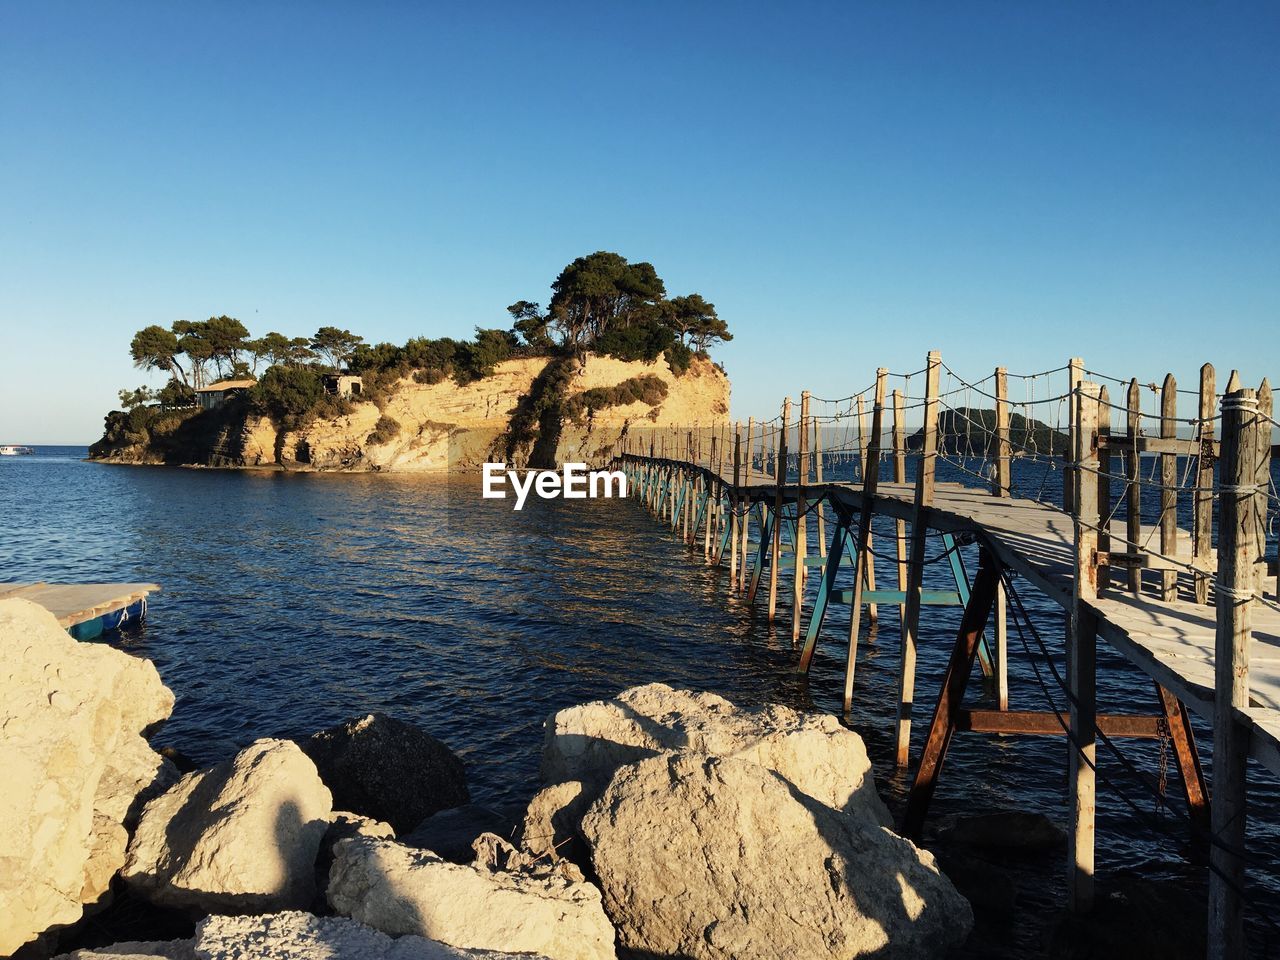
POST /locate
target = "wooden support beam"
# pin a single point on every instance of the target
(1041, 723)
(1183, 740)
(870, 482)
(951, 697)
(1202, 524)
(1242, 435)
(1169, 486)
(1082, 649)
(825, 590)
(915, 571)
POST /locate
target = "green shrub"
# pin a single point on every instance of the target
(288, 395)
(679, 357)
(384, 431)
(646, 389)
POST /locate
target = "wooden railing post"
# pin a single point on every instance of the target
(1103, 479)
(1169, 487)
(864, 452)
(779, 479)
(900, 476)
(870, 481)
(1004, 451)
(915, 571)
(1075, 373)
(1242, 438)
(1082, 648)
(1133, 474)
(800, 548)
(735, 506)
(817, 477)
(1202, 524)
(745, 522)
(1264, 477)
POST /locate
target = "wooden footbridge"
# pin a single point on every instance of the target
(1193, 606)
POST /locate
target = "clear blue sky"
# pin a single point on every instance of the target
(850, 183)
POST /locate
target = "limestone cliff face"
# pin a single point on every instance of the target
(524, 414)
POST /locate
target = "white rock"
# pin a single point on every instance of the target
(812, 751)
(238, 837)
(300, 936)
(703, 857)
(72, 764)
(400, 890)
(289, 936)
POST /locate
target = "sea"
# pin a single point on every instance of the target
(290, 602)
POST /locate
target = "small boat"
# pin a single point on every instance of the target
(13, 450)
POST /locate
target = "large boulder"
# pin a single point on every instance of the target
(388, 770)
(706, 857)
(73, 767)
(239, 837)
(400, 890)
(290, 935)
(551, 821)
(811, 751)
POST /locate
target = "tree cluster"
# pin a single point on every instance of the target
(198, 352)
(602, 302)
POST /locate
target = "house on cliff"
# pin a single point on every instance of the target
(221, 391)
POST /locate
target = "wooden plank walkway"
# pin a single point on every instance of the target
(74, 603)
(1172, 642)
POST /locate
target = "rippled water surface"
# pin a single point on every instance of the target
(293, 601)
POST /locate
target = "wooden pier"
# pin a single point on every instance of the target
(85, 609)
(1199, 616)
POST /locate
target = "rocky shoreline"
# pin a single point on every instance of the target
(671, 824)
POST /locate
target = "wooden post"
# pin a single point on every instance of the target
(1133, 469)
(817, 476)
(915, 571)
(1238, 550)
(779, 479)
(900, 476)
(745, 525)
(1169, 487)
(1264, 476)
(870, 480)
(870, 463)
(1075, 373)
(1203, 504)
(1082, 648)
(1002, 647)
(1103, 479)
(711, 513)
(735, 505)
(1004, 451)
(800, 547)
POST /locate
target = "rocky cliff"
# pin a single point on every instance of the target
(529, 412)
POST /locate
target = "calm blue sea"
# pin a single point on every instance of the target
(293, 601)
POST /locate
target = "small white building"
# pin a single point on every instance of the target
(343, 384)
(221, 391)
